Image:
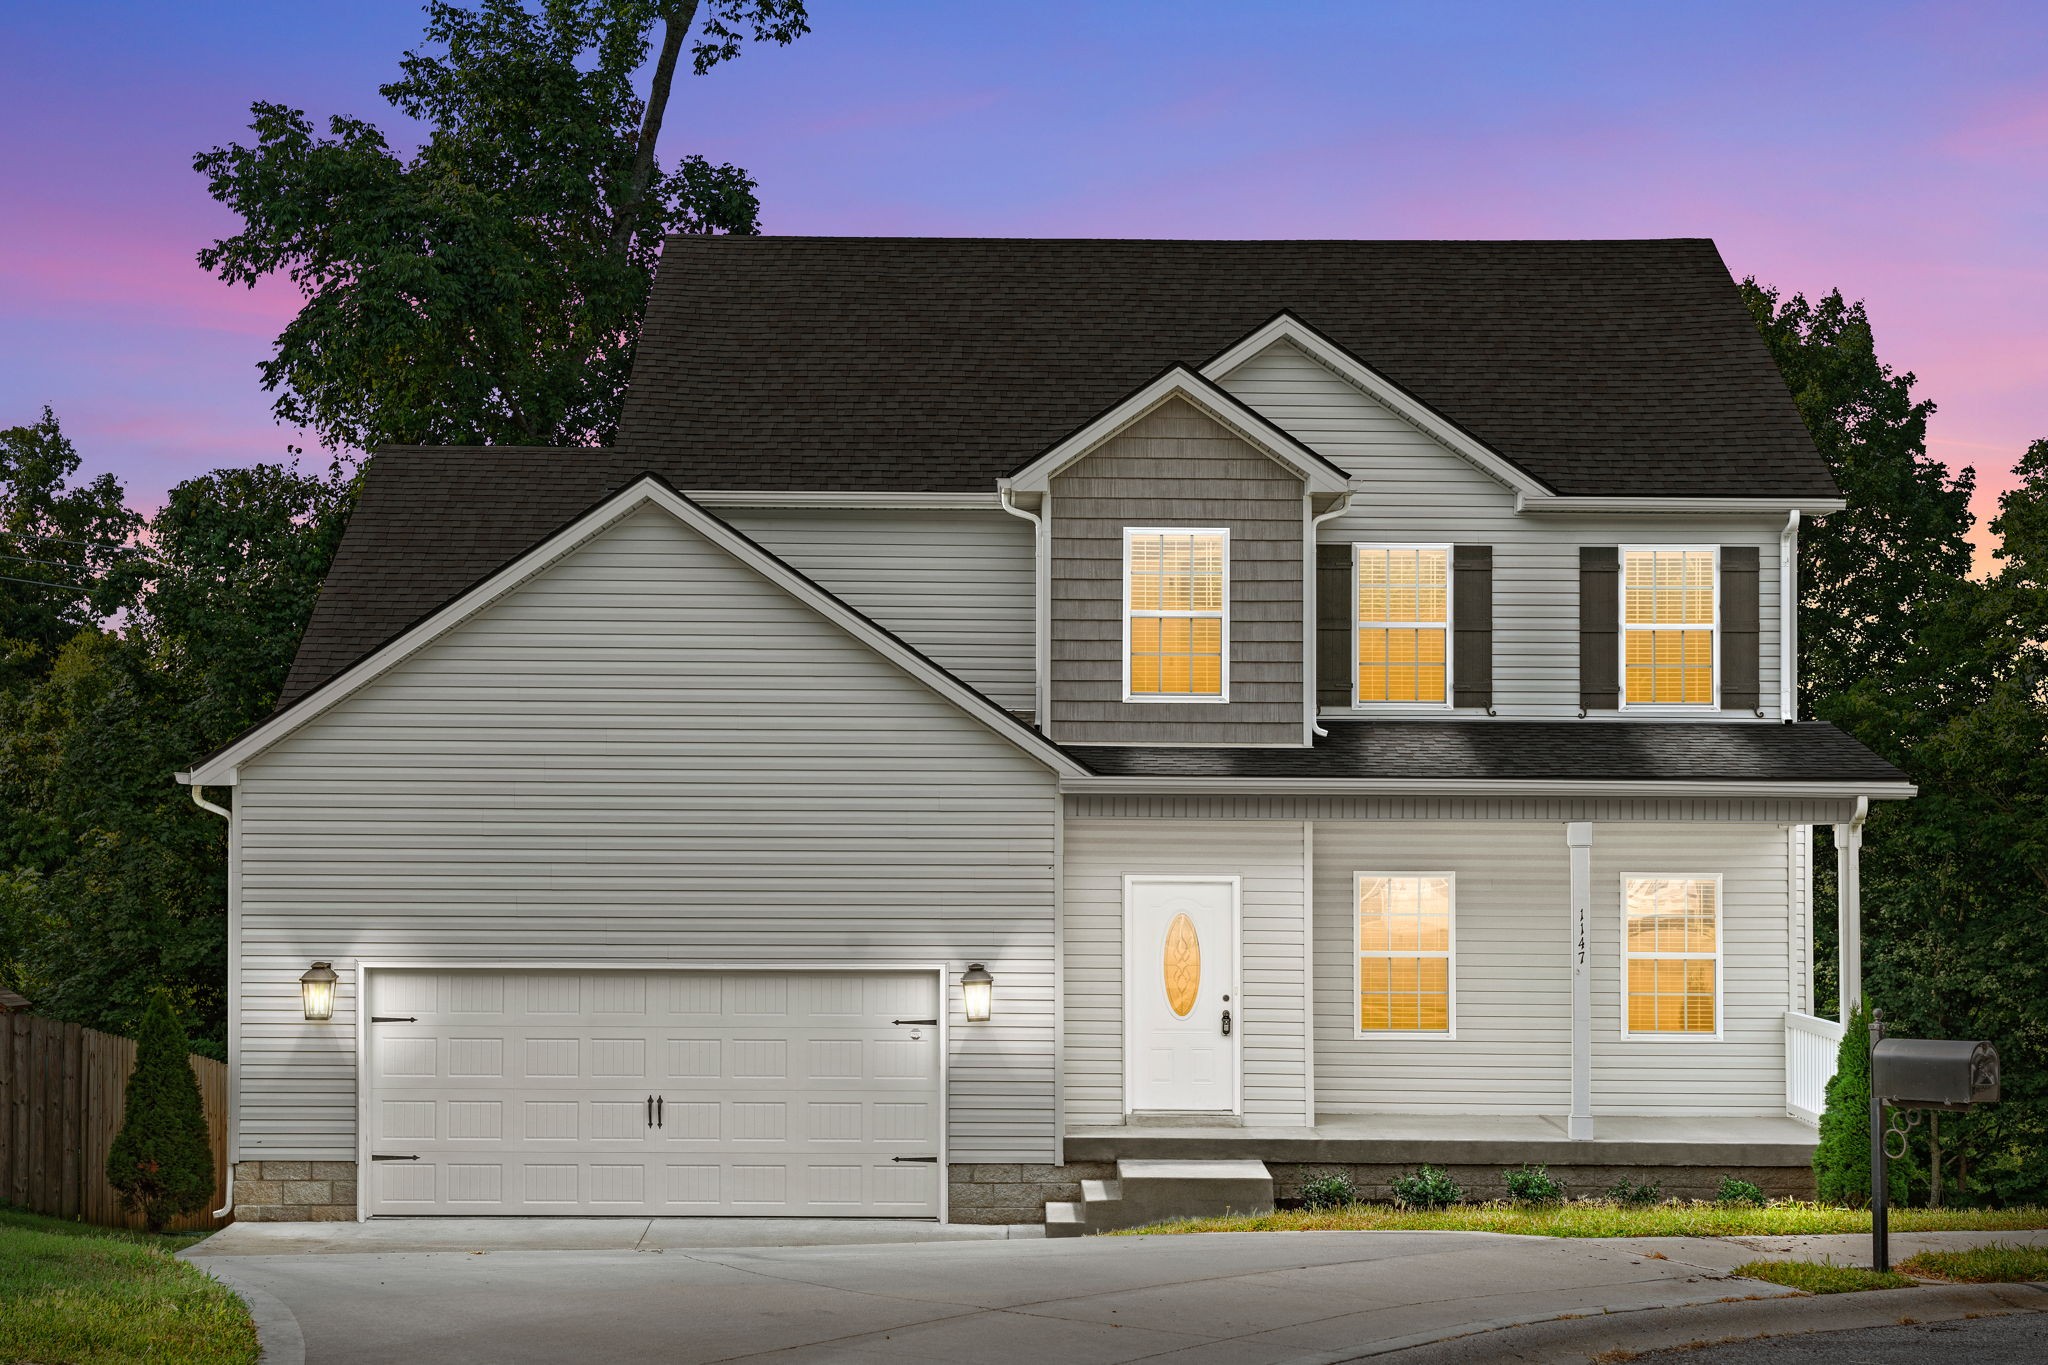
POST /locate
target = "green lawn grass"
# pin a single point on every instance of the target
(1822, 1277)
(1603, 1218)
(83, 1295)
(2000, 1263)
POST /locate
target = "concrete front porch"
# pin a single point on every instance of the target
(1686, 1157)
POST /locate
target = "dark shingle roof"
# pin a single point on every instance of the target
(933, 364)
(1567, 750)
(430, 523)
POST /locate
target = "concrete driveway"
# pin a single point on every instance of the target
(1242, 1297)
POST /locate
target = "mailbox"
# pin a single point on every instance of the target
(1933, 1073)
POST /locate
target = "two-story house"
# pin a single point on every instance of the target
(1003, 708)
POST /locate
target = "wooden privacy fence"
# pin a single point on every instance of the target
(63, 1090)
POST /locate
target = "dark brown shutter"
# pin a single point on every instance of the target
(1333, 627)
(1741, 628)
(1599, 627)
(1472, 625)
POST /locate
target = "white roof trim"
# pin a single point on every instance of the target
(814, 497)
(222, 768)
(1389, 786)
(1287, 327)
(1226, 409)
(1775, 508)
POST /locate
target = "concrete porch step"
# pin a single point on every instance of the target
(1154, 1191)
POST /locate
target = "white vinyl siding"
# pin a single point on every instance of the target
(1267, 856)
(1512, 1053)
(955, 584)
(1743, 1071)
(645, 754)
(1418, 491)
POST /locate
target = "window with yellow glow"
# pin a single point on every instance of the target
(1668, 623)
(1671, 945)
(1402, 610)
(1176, 585)
(1404, 953)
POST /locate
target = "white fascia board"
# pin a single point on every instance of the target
(1240, 419)
(1775, 508)
(1287, 327)
(806, 497)
(1346, 786)
(221, 770)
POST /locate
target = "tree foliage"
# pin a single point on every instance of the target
(113, 884)
(1947, 676)
(161, 1163)
(488, 287)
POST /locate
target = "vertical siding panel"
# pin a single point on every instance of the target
(646, 753)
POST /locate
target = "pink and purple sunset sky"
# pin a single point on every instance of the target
(1898, 151)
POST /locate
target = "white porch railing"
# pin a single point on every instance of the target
(1811, 1046)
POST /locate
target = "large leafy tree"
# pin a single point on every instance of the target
(487, 288)
(112, 884)
(60, 539)
(1944, 674)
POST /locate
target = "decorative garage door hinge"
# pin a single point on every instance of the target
(393, 1019)
(913, 1158)
(375, 1157)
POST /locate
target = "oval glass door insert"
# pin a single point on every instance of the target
(1183, 966)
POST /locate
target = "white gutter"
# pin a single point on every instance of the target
(227, 1195)
(1041, 591)
(740, 497)
(1424, 786)
(1813, 507)
(1309, 619)
(1788, 619)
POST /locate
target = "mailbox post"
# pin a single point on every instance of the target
(1911, 1074)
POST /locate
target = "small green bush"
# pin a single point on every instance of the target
(1735, 1191)
(160, 1162)
(1428, 1188)
(1328, 1192)
(1532, 1185)
(1841, 1162)
(1629, 1193)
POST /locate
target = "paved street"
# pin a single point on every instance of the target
(1238, 1297)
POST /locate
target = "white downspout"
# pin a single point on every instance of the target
(1310, 664)
(1788, 619)
(228, 1194)
(1041, 689)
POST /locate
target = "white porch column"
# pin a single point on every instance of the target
(1849, 906)
(1578, 838)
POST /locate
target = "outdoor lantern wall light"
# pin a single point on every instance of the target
(316, 989)
(977, 993)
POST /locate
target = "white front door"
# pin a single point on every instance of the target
(810, 1093)
(1180, 995)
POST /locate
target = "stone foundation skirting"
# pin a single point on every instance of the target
(1372, 1182)
(1015, 1194)
(295, 1191)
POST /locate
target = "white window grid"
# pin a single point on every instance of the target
(1712, 628)
(1221, 615)
(1717, 957)
(1358, 549)
(1449, 956)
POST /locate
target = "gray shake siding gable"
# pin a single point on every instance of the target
(1176, 467)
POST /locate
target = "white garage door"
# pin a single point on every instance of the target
(667, 1093)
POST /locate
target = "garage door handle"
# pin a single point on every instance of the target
(375, 1157)
(913, 1158)
(933, 1022)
